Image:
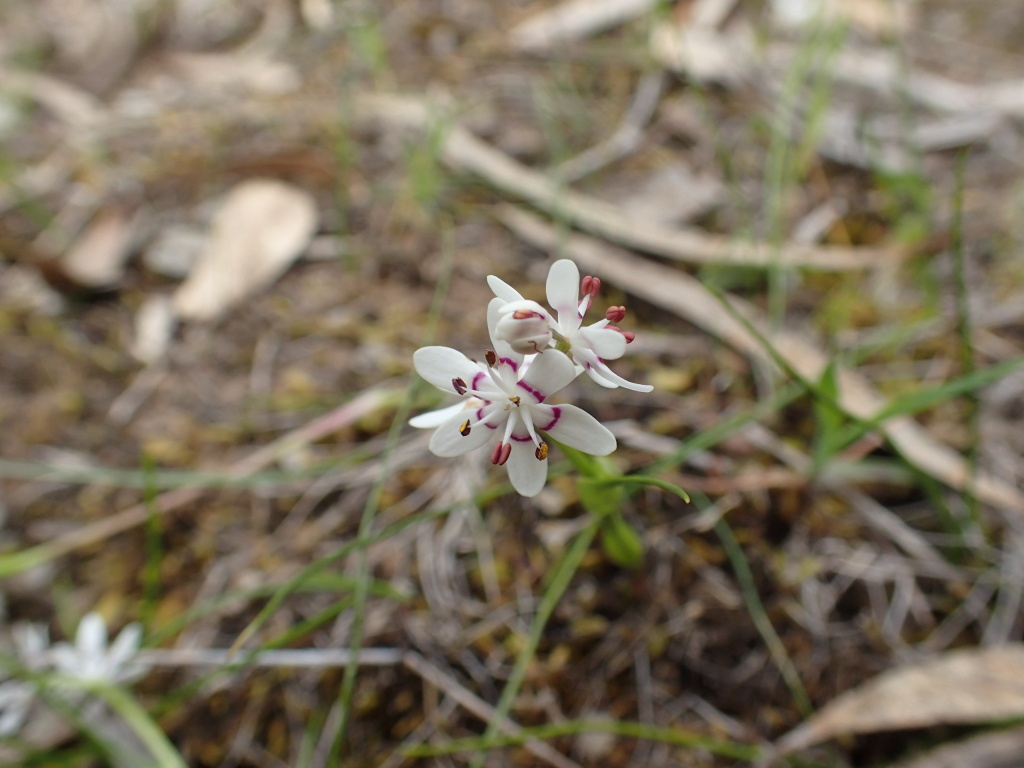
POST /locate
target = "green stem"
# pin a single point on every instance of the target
(149, 733)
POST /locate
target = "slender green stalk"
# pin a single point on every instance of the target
(760, 618)
(783, 159)
(899, 406)
(964, 332)
(136, 717)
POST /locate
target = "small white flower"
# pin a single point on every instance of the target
(505, 398)
(588, 346)
(90, 659)
(18, 696)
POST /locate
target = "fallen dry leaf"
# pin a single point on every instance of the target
(154, 327)
(258, 232)
(97, 259)
(976, 685)
(1001, 749)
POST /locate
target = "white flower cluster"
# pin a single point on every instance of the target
(534, 355)
(88, 660)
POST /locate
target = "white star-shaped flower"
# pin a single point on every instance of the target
(90, 659)
(505, 401)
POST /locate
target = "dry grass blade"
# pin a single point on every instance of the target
(96, 260)
(465, 152)
(961, 687)
(685, 296)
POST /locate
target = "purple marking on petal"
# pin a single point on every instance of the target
(477, 378)
(556, 414)
(540, 396)
(518, 439)
(510, 362)
(480, 416)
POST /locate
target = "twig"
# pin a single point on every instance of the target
(464, 151)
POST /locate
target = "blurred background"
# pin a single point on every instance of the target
(225, 226)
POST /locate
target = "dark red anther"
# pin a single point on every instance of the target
(542, 451)
(460, 385)
(491, 358)
(590, 286)
(464, 429)
(615, 314)
(501, 453)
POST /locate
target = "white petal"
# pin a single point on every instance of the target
(578, 429)
(15, 701)
(439, 365)
(432, 419)
(530, 305)
(601, 373)
(503, 290)
(563, 287)
(526, 473)
(608, 344)
(30, 642)
(501, 347)
(66, 659)
(598, 378)
(447, 441)
(91, 637)
(549, 372)
(125, 646)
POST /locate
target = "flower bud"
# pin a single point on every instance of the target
(525, 326)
